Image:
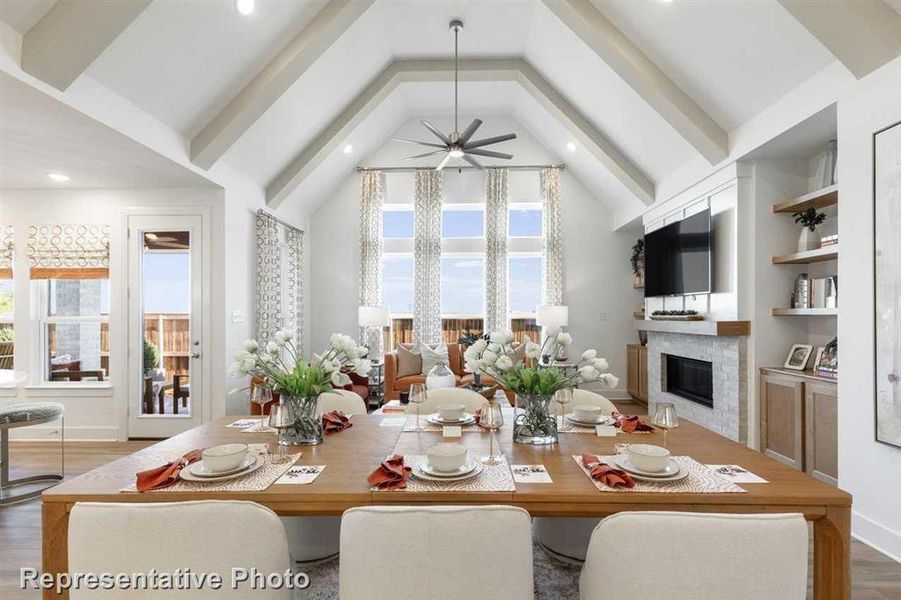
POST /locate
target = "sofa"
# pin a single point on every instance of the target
(395, 384)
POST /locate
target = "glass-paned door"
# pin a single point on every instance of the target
(165, 317)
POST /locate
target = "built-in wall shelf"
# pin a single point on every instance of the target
(811, 312)
(808, 256)
(826, 196)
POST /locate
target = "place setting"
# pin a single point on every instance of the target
(650, 468)
(444, 467)
(448, 415)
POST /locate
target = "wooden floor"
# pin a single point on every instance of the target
(873, 575)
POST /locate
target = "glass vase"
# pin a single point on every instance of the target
(533, 422)
(306, 428)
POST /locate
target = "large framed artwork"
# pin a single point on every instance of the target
(887, 251)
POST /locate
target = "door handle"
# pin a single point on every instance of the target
(195, 355)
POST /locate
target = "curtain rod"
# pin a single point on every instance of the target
(464, 168)
(260, 211)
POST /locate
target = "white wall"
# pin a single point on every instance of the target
(598, 277)
(869, 470)
(99, 413)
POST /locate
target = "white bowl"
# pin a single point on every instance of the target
(446, 457)
(225, 457)
(451, 412)
(586, 412)
(647, 457)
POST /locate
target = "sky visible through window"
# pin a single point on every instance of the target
(463, 223)
(462, 285)
(525, 222)
(524, 289)
(397, 284)
(397, 224)
(167, 283)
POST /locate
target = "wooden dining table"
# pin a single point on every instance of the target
(351, 455)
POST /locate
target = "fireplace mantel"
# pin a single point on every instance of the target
(719, 328)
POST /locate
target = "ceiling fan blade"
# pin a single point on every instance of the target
(492, 140)
(443, 162)
(436, 131)
(430, 144)
(490, 153)
(427, 154)
(467, 133)
(472, 161)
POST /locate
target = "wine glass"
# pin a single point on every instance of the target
(280, 419)
(262, 396)
(665, 417)
(492, 419)
(562, 398)
(418, 395)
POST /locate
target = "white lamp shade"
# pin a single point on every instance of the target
(552, 315)
(373, 316)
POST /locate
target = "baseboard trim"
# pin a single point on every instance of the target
(875, 535)
(73, 434)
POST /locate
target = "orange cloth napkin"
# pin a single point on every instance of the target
(334, 422)
(391, 474)
(605, 473)
(629, 424)
(166, 475)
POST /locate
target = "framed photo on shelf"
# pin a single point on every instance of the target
(826, 361)
(798, 357)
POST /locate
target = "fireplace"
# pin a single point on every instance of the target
(690, 378)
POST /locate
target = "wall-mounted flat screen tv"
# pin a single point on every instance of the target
(677, 257)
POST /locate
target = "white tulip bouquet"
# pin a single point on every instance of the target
(298, 381)
(534, 384)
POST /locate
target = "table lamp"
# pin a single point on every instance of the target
(372, 319)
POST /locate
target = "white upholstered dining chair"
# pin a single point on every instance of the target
(473, 401)
(567, 538)
(207, 536)
(436, 552)
(343, 400)
(697, 556)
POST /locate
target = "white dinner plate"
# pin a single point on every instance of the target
(672, 472)
(260, 460)
(467, 419)
(466, 469)
(200, 470)
(602, 420)
(422, 474)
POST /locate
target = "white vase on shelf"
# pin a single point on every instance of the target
(808, 239)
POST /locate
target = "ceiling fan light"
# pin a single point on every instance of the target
(456, 153)
(245, 7)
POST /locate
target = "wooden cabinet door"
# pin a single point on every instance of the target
(821, 431)
(782, 418)
(632, 370)
(643, 373)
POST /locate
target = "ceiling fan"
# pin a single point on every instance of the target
(458, 145)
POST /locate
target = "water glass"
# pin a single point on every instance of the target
(280, 419)
(492, 419)
(665, 417)
(262, 396)
(418, 395)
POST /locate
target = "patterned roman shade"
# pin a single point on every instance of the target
(427, 257)
(68, 251)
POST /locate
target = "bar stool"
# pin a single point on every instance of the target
(25, 415)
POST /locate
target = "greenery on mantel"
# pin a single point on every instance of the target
(674, 313)
(637, 258)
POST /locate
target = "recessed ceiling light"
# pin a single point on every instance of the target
(245, 7)
(348, 149)
(571, 146)
(58, 177)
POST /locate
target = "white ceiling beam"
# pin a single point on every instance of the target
(64, 43)
(863, 36)
(273, 80)
(639, 72)
(401, 71)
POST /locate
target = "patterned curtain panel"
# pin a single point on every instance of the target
(552, 234)
(6, 251)
(269, 277)
(294, 287)
(372, 197)
(68, 251)
(496, 252)
(427, 258)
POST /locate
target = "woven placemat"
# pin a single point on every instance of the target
(493, 478)
(257, 481)
(700, 480)
(410, 423)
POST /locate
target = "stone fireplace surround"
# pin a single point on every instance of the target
(729, 355)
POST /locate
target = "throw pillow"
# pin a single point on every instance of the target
(408, 362)
(432, 357)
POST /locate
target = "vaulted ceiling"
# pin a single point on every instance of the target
(641, 87)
